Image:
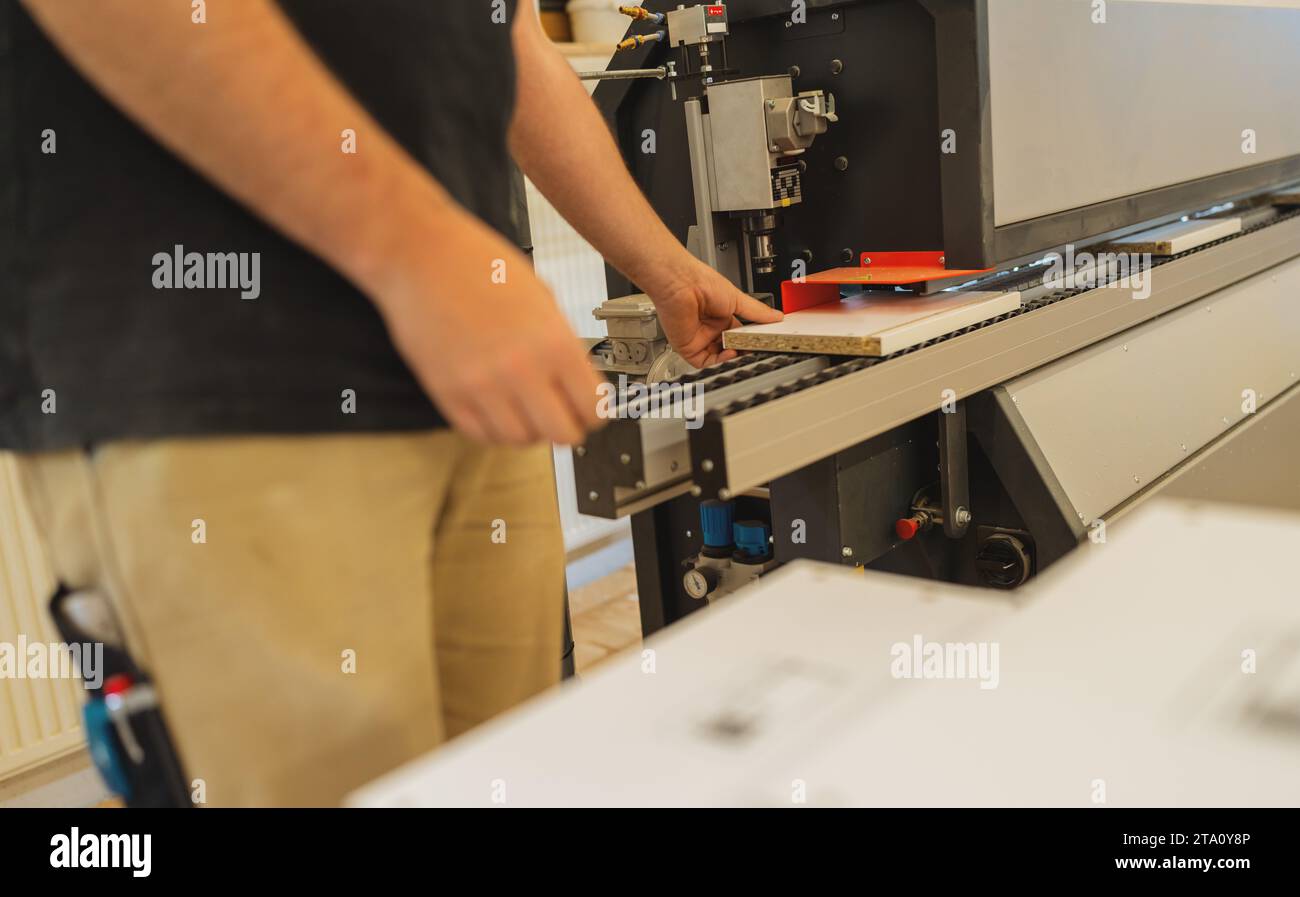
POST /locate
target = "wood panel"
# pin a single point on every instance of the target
(872, 325)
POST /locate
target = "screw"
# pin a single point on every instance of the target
(794, 70)
(846, 551)
(706, 465)
(961, 516)
(580, 451)
(593, 495)
(640, 484)
(625, 458)
(724, 495)
(847, 255)
(866, 261)
(837, 66)
(841, 163)
(688, 534)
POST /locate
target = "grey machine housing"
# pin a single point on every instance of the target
(1011, 442)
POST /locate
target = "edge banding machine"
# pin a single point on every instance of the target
(1123, 178)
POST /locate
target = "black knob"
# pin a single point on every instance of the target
(1002, 561)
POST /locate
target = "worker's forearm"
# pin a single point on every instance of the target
(245, 102)
(561, 142)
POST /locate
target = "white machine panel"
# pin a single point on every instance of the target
(1112, 418)
(1159, 94)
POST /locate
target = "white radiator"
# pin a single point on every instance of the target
(576, 274)
(40, 719)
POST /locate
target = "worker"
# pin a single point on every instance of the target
(279, 379)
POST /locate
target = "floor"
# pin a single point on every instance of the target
(606, 618)
(67, 782)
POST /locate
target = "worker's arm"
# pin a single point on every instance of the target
(244, 101)
(562, 144)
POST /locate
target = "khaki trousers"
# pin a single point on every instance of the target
(315, 610)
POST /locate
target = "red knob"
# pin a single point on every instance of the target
(117, 684)
(907, 527)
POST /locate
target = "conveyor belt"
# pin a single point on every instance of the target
(848, 365)
(750, 440)
(766, 415)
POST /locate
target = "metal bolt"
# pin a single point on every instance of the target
(673, 466)
(837, 65)
(625, 458)
(961, 516)
(722, 247)
(1137, 479)
(794, 70)
(847, 255)
(724, 495)
(706, 465)
(835, 17)
(866, 261)
(580, 451)
(771, 104)
(841, 163)
(640, 484)
(593, 495)
(688, 534)
(943, 260)
(846, 551)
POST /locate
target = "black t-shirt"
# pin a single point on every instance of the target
(92, 350)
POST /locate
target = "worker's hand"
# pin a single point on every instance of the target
(696, 304)
(485, 339)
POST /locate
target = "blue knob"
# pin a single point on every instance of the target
(715, 523)
(751, 538)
